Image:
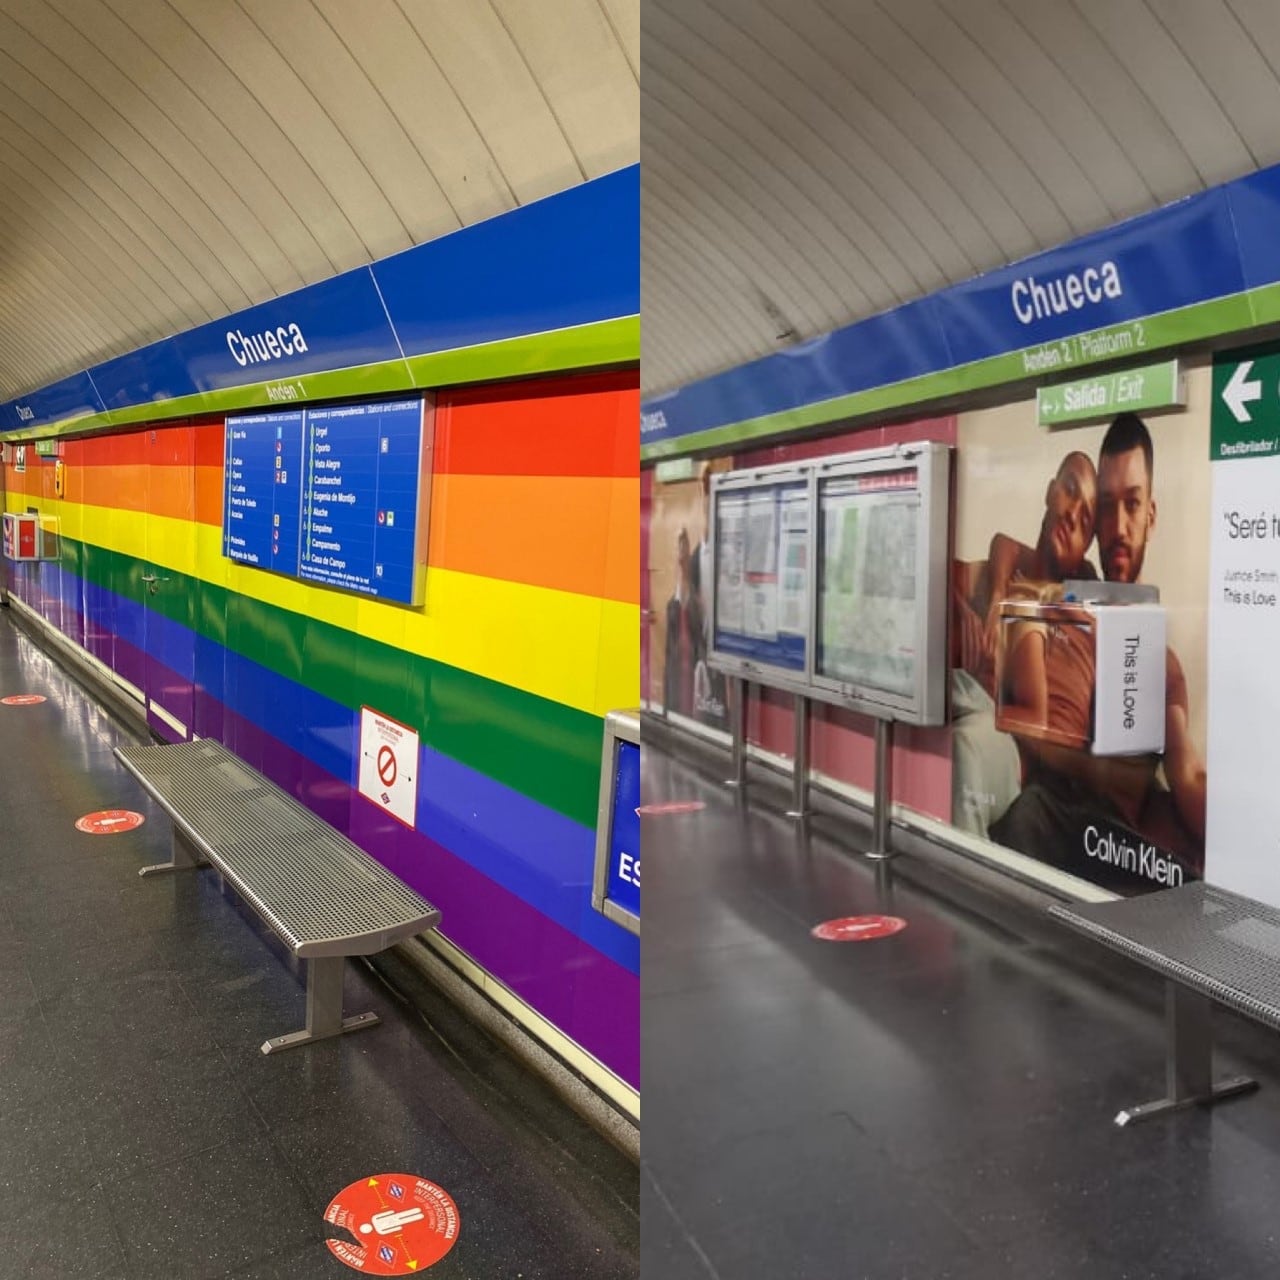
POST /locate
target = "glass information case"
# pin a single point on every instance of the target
(830, 579)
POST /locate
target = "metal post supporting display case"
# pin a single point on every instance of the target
(615, 889)
(882, 801)
(737, 693)
(800, 768)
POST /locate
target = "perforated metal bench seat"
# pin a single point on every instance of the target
(321, 894)
(1210, 945)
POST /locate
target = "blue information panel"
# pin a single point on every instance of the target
(623, 886)
(330, 495)
(360, 498)
(761, 596)
(263, 476)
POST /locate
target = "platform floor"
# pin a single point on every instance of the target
(143, 1134)
(933, 1106)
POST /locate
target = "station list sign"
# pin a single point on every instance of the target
(330, 495)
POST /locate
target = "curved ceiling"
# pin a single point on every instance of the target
(167, 162)
(808, 163)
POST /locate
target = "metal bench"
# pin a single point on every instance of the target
(321, 894)
(1211, 946)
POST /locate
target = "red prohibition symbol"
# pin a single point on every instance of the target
(859, 928)
(22, 699)
(109, 822)
(387, 766)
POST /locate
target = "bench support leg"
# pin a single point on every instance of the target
(324, 1007)
(185, 857)
(1188, 1018)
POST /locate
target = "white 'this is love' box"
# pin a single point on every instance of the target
(1129, 687)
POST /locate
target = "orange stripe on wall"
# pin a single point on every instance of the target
(209, 494)
(35, 482)
(124, 488)
(570, 533)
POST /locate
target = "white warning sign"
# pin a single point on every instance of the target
(389, 765)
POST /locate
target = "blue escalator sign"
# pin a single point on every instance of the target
(624, 841)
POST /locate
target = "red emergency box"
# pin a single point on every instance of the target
(21, 537)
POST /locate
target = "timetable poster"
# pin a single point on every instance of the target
(793, 564)
(761, 602)
(761, 566)
(330, 495)
(867, 596)
(731, 534)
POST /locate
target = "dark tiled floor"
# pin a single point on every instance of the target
(934, 1106)
(143, 1134)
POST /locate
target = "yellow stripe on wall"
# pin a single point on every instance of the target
(581, 651)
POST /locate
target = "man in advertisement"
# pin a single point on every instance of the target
(684, 630)
(709, 700)
(1066, 530)
(1126, 518)
(987, 762)
(690, 687)
(1111, 818)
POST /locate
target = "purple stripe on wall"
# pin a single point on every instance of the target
(594, 1001)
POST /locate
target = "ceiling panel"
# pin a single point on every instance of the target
(166, 162)
(807, 164)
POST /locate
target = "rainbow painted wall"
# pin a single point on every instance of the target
(529, 635)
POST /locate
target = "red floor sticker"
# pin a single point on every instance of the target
(671, 806)
(404, 1224)
(109, 822)
(22, 699)
(859, 928)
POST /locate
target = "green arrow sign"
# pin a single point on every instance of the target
(1153, 386)
(1245, 419)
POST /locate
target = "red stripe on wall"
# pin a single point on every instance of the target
(580, 426)
(166, 444)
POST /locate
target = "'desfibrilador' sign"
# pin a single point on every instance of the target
(331, 494)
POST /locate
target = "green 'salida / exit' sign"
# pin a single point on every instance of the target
(674, 470)
(1150, 386)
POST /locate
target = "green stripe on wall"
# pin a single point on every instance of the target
(543, 749)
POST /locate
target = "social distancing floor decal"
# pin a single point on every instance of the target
(400, 1224)
(858, 928)
(109, 822)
